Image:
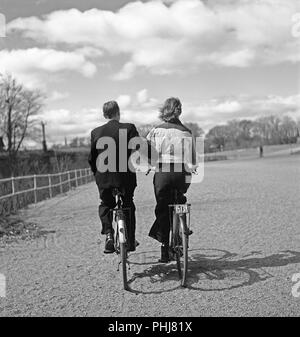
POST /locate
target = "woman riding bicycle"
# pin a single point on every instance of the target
(174, 144)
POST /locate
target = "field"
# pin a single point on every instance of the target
(243, 253)
(269, 150)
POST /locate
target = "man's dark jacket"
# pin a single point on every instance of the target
(113, 179)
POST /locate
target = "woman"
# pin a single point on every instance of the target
(176, 154)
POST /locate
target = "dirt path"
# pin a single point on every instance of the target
(244, 251)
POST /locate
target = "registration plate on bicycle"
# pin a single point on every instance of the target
(181, 209)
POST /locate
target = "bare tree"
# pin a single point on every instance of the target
(288, 130)
(195, 128)
(18, 106)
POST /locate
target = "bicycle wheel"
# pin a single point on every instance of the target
(123, 254)
(175, 243)
(184, 252)
(123, 251)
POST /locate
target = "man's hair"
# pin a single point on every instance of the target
(171, 109)
(110, 109)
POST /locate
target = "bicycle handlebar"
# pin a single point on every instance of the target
(153, 168)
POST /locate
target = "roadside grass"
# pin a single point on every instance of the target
(13, 229)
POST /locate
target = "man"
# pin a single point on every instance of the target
(176, 160)
(117, 173)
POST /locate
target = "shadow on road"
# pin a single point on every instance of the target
(216, 270)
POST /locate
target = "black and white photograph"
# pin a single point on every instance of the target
(150, 161)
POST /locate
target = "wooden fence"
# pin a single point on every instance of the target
(18, 192)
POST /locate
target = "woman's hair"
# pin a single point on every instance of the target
(110, 109)
(171, 109)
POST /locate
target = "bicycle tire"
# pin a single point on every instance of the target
(123, 249)
(123, 253)
(185, 238)
(175, 243)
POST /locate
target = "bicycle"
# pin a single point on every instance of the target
(120, 233)
(180, 232)
(179, 238)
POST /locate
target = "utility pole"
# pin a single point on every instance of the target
(44, 137)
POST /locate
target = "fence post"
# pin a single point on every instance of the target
(76, 178)
(50, 186)
(13, 185)
(60, 183)
(69, 180)
(34, 188)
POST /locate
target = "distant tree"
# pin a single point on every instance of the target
(218, 136)
(247, 133)
(288, 129)
(74, 142)
(83, 141)
(195, 128)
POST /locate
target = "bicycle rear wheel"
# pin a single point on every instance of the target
(176, 244)
(180, 246)
(123, 248)
(184, 253)
(123, 254)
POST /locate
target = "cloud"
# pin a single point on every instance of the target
(229, 106)
(142, 96)
(89, 52)
(220, 110)
(141, 109)
(29, 65)
(175, 36)
(63, 123)
(124, 101)
(57, 95)
(126, 72)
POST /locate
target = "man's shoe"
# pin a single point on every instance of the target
(165, 258)
(109, 244)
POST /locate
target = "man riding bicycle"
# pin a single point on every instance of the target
(121, 177)
(176, 160)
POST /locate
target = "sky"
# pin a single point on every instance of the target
(224, 59)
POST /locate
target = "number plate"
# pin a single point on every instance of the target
(181, 209)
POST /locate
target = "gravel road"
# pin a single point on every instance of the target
(243, 253)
